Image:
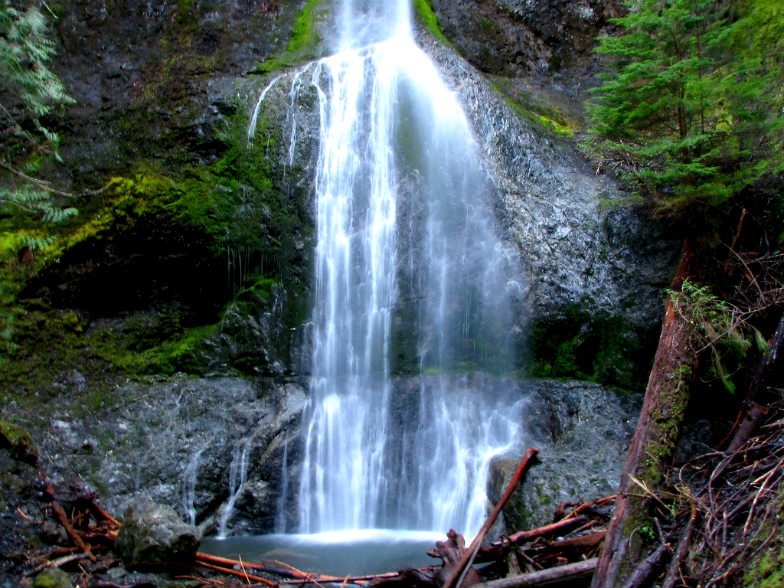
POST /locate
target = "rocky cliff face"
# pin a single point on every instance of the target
(195, 257)
(514, 38)
(146, 76)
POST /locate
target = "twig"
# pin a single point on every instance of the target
(56, 563)
(44, 185)
(238, 573)
(242, 567)
(58, 510)
(673, 571)
(552, 529)
(647, 567)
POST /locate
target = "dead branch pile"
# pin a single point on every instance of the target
(733, 498)
(719, 517)
(91, 530)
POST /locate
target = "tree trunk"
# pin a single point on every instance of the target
(654, 443)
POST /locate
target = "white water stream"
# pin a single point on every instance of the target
(412, 295)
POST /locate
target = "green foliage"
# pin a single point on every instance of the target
(692, 111)
(29, 93)
(718, 327)
(24, 53)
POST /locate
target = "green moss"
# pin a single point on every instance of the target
(428, 18)
(768, 572)
(554, 125)
(586, 344)
(305, 40)
(19, 442)
(52, 578)
(180, 353)
(234, 216)
(544, 114)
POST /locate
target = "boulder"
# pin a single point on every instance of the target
(582, 431)
(153, 534)
(52, 578)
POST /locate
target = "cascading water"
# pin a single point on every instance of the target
(412, 305)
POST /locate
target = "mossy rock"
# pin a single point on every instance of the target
(52, 578)
(19, 443)
(585, 344)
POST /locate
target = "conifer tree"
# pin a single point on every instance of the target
(692, 109)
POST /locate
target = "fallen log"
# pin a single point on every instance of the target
(655, 438)
(581, 570)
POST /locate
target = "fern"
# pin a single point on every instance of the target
(716, 327)
(31, 92)
(58, 215)
(36, 242)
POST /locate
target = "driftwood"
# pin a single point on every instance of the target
(553, 529)
(579, 542)
(581, 570)
(453, 554)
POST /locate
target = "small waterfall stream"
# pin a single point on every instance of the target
(412, 318)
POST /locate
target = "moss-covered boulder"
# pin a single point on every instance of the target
(52, 578)
(18, 442)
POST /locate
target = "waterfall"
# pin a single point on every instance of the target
(238, 471)
(412, 322)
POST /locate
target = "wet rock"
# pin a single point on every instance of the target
(518, 37)
(174, 441)
(153, 534)
(575, 249)
(582, 431)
